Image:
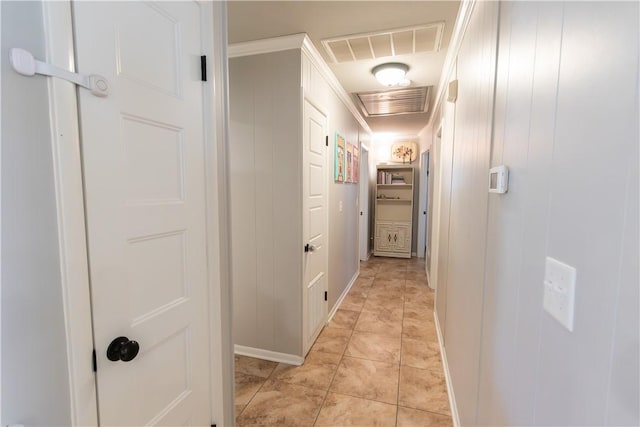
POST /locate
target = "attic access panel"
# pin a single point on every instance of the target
(381, 44)
(393, 102)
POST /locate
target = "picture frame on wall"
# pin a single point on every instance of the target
(356, 164)
(349, 176)
(339, 162)
(404, 152)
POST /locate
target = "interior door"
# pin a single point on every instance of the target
(314, 178)
(145, 204)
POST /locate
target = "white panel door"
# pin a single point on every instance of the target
(144, 186)
(314, 224)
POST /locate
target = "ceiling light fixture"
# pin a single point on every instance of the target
(391, 73)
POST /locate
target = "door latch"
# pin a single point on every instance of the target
(24, 63)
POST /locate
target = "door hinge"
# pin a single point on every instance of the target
(203, 67)
(325, 295)
(94, 361)
(326, 140)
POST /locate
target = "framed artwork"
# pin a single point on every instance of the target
(349, 177)
(404, 152)
(356, 164)
(339, 163)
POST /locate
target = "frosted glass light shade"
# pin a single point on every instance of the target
(390, 74)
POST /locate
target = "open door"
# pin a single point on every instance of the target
(314, 223)
(143, 147)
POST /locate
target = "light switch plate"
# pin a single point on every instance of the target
(340, 206)
(559, 291)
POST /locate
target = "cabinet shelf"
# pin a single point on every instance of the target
(394, 211)
(394, 186)
(395, 200)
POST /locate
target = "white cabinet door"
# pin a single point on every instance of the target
(143, 150)
(384, 237)
(402, 237)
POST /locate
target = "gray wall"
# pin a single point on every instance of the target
(266, 204)
(35, 383)
(266, 200)
(566, 124)
(344, 259)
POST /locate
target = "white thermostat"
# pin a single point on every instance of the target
(499, 179)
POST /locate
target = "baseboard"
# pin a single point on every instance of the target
(343, 296)
(429, 280)
(274, 356)
(414, 254)
(452, 397)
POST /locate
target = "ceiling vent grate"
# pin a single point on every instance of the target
(393, 102)
(381, 44)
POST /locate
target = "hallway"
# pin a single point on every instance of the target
(377, 362)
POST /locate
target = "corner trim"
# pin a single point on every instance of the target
(303, 42)
(344, 294)
(274, 356)
(452, 397)
(459, 30)
(214, 36)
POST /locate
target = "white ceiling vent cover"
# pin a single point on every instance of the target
(393, 102)
(400, 41)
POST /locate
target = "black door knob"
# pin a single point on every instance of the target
(122, 348)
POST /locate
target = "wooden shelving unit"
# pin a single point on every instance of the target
(394, 211)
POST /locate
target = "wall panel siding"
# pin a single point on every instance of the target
(469, 199)
(35, 374)
(596, 122)
(566, 123)
(266, 218)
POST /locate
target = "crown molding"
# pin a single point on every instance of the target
(274, 44)
(459, 30)
(303, 42)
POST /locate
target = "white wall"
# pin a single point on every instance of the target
(566, 123)
(35, 383)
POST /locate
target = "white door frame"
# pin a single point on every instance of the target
(71, 215)
(437, 204)
(363, 203)
(423, 189)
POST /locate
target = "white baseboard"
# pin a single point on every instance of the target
(274, 356)
(415, 254)
(429, 280)
(342, 297)
(452, 397)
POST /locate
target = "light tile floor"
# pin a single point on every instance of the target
(377, 363)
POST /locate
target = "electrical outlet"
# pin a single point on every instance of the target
(559, 291)
(340, 206)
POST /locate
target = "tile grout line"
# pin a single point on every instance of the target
(380, 268)
(339, 362)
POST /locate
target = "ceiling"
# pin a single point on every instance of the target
(254, 20)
